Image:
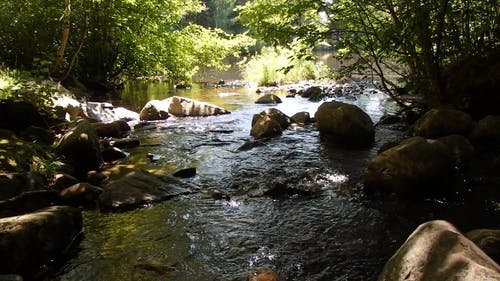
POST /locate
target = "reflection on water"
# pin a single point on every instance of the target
(333, 234)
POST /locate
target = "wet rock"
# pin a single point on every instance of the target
(126, 114)
(417, 166)
(269, 123)
(96, 178)
(28, 201)
(125, 143)
(185, 173)
(276, 115)
(345, 123)
(263, 275)
(80, 194)
(265, 127)
(182, 107)
(387, 146)
(19, 115)
(487, 240)
(110, 154)
(62, 181)
(301, 118)
(154, 110)
(30, 241)
(80, 148)
(443, 122)
(216, 194)
(389, 120)
(268, 99)
(37, 134)
(251, 144)
(115, 129)
(487, 131)
(140, 187)
(313, 91)
(460, 148)
(436, 250)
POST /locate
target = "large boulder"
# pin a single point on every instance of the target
(417, 166)
(28, 201)
(80, 148)
(140, 187)
(154, 110)
(269, 123)
(345, 123)
(487, 240)
(487, 131)
(31, 241)
(80, 194)
(268, 99)
(437, 123)
(115, 129)
(436, 250)
(460, 147)
(182, 107)
(12, 184)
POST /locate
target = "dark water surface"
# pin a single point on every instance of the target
(334, 234)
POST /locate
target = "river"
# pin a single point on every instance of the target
(336, 233)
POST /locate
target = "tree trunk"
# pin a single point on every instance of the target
(64, 38)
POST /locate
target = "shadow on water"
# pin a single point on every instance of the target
(336, 233)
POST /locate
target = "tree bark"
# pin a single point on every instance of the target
(66, 18)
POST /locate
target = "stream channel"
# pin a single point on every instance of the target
(335, 233)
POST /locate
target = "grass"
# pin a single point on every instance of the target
(278, 65)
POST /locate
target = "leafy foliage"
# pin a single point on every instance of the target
(277, 65)
(414, 39)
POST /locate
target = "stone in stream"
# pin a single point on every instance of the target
(443, 122)
(140, 187)
(436, 250)
(268, 99)
(80, 194)
(115, 129)
(154, 110)
(345, 123)
(30, 242)
(183, 107)
(185, 173)
(269, 123)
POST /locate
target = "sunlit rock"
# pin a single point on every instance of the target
(487, 131)
(417, 166)
(269, 123)
(80, 147)
(345, 123)
(436, 250)
(154, 110)
(268, 99)
(140, 187)
(182, 107)
(443, 122)
(33, 240)
(263, 275)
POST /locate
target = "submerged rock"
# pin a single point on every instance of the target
(417, 166)
(31, 241)
(345, 123)
(140, 187)
(436, 250)
(443, 122)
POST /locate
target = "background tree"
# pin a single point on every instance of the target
(417, 40)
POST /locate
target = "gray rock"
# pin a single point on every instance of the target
(140, 187)
(32, 240)
(436, 250)
(443, 122)
(301, 118)
(345, 123)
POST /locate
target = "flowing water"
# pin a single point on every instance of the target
(335, 233)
